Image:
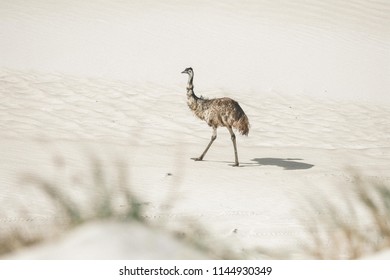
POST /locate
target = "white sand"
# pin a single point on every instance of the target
(104, 79)
(112, 240)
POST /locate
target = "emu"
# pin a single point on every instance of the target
(217, 112)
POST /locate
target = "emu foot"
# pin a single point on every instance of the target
(236, 164)
(197, 159)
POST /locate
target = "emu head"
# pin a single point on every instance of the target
(188, 71)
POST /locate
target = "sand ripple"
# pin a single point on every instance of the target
(62, 107)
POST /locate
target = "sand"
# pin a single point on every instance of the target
(83, 83)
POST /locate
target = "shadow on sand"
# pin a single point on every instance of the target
(286, 163)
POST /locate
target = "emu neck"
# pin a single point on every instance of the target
(191, 97)
(190, 87)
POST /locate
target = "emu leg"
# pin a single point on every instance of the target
(213, 137)
(233, 137)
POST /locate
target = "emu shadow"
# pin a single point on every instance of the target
(286, 163)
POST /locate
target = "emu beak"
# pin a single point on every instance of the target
(184, 72)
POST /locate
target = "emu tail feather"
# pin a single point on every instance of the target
(242, 125)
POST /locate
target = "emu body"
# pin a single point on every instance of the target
(217, 112)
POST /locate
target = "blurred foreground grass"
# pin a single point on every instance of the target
(349, 226)
(105, 197)
(108, 200)
(354, 225)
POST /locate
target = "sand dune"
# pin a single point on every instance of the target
(317, 48)
(85, 82)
